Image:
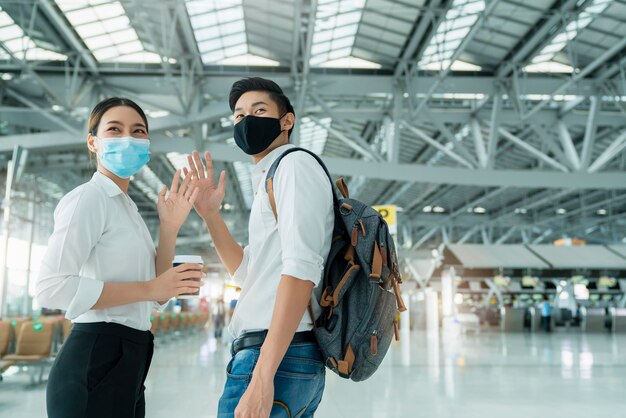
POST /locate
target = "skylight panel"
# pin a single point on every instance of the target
(543, 61)
(459, 20)
(155, 114)
(336, 25)
(243, 171)
(313, 136)
(20, 45)
(106, 30)
(220, 32)
(148, 182)
(351, 62)
(178, 160)
(457, 65)
(549, 67)
(249, 60)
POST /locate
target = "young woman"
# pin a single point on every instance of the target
(101, 266)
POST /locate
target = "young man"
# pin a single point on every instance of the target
(276, 369)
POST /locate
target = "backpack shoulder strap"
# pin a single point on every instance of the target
(269, 178)
(269, 188)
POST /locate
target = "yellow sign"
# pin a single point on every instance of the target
(389, 214)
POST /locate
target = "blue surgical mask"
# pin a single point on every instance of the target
(124, 156)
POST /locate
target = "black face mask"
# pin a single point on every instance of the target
(254, 134)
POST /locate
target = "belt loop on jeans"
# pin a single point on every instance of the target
(256, 338)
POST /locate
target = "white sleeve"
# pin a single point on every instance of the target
(242, 271)
(160, 308)
(304, 203)
(79, 221)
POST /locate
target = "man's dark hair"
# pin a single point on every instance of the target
(260, 84)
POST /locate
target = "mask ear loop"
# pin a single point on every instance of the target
(280, 117)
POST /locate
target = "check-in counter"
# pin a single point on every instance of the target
(594, 320)
(512, 319)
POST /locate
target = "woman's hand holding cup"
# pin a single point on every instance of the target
(183, 279)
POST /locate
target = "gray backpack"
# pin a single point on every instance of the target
(361, 295)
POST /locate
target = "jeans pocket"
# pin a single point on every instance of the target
(298, 384)
(300, 367)
(242, 364)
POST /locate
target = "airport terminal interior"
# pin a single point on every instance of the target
(488, 134)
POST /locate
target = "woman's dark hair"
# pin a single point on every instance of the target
(260, 84)
(101, 108)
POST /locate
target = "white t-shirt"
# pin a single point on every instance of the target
(297, 245)
(99, 236)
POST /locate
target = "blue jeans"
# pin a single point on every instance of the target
(298, 384)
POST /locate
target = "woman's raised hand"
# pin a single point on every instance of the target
(173, 208)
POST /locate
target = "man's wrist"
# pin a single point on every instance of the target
(211, 217)
(264, 372)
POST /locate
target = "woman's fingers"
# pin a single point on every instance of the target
(188, 192)
(187, 266)
(186, 290)
(221, 186)
(162, 194)
(184, 186)
(174, 188)
(195, 282)
(194, 195)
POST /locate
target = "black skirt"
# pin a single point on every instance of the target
(100, 373)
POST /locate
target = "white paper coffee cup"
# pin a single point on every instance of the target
(182, 259)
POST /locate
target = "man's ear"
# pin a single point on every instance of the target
(288, 121)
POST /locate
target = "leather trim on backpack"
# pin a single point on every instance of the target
(345, 365)
(326, 298)
(343, 187)
(377, 262)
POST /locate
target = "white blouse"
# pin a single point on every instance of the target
(99, 236)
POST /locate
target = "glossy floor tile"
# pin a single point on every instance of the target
(484, 375)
